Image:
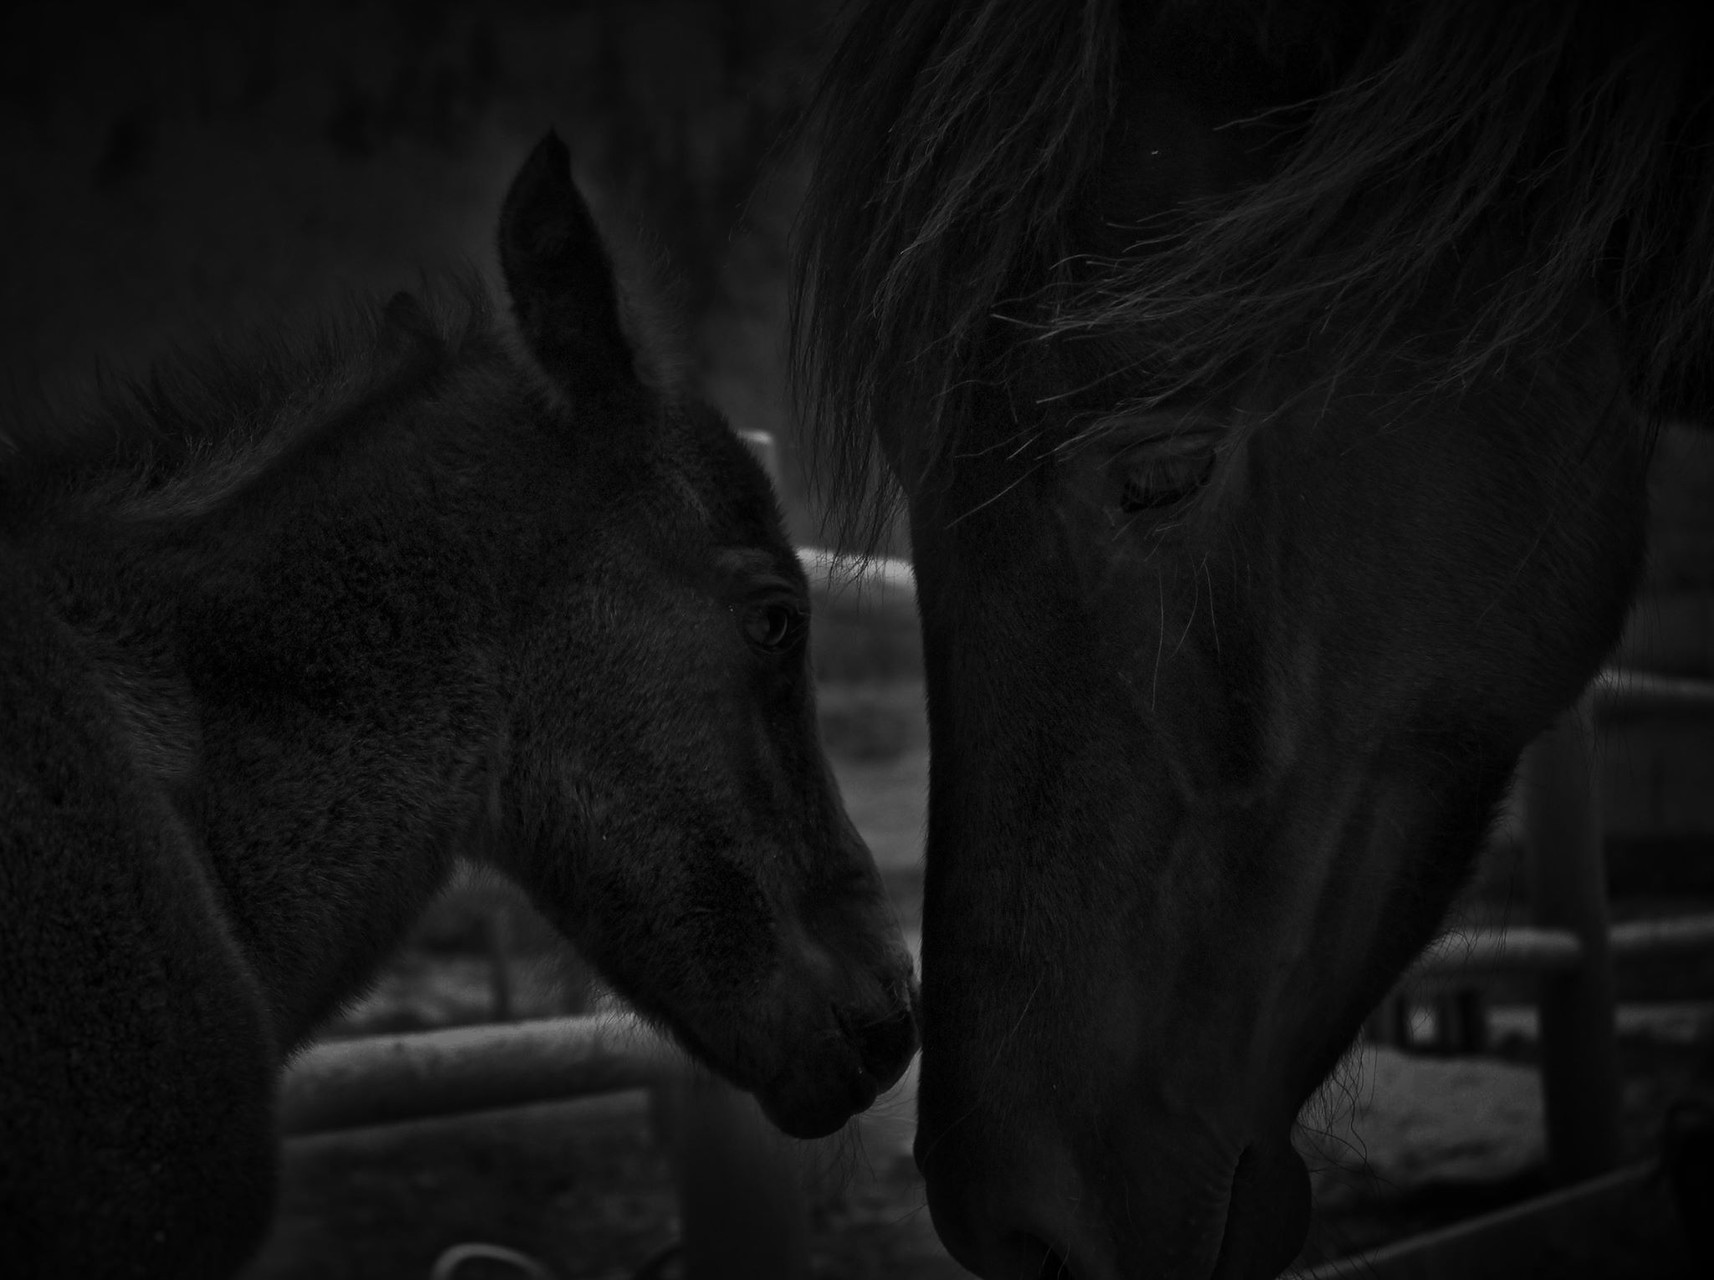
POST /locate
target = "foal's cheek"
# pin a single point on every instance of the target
(693, 919)
(574, 823)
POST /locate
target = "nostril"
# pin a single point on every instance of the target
(994, 1239)
(1035, 1258)
(885, 1044)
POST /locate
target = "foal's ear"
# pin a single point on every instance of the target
(560, 277)
(405, 312)
(406, 325)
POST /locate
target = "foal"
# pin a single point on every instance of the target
(285, 633)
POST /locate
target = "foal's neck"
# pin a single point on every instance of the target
(307, 680)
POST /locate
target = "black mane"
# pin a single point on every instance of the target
(959, 140)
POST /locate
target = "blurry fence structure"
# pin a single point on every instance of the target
(1570, 944)
(742, 1210)
(741, 1207)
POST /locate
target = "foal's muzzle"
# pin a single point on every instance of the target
(856, 1049)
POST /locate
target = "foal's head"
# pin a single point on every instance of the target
(664, 796)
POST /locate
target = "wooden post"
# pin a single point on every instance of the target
(1568, 888)
(1389, 1023)
(497, 926)
(767, 452)
(1466, 1018)
(741, 1203)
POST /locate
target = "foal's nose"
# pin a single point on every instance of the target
(885, 1033)
(867, 984)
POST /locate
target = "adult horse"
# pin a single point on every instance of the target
(1270, 389)
(285, 632)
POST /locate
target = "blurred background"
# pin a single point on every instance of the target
(176, 169)
(173, 173)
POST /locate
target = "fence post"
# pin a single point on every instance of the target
(766, 451)
(497, 933)
(1568, 889)
(1389, 1023)
(742, 1210)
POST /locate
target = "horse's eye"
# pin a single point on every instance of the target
(1151, 484)
(774, 627)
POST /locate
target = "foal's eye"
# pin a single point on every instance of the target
(1153, 483)
(774, 627)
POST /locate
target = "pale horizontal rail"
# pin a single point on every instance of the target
(1670, 935)
(884, 584)
(374, 1080)
(1528, 948)
(1482, 951)
(1620, 694)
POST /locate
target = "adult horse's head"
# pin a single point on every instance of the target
(665, 797)
(1267, 403)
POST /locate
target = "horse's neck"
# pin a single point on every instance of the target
(327, 813)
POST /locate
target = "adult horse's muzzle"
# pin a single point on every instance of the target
(1230, 1217)
(1267, 1217)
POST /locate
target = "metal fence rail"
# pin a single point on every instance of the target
(1536, 1238)
(1618, 694)
(372, 1080)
